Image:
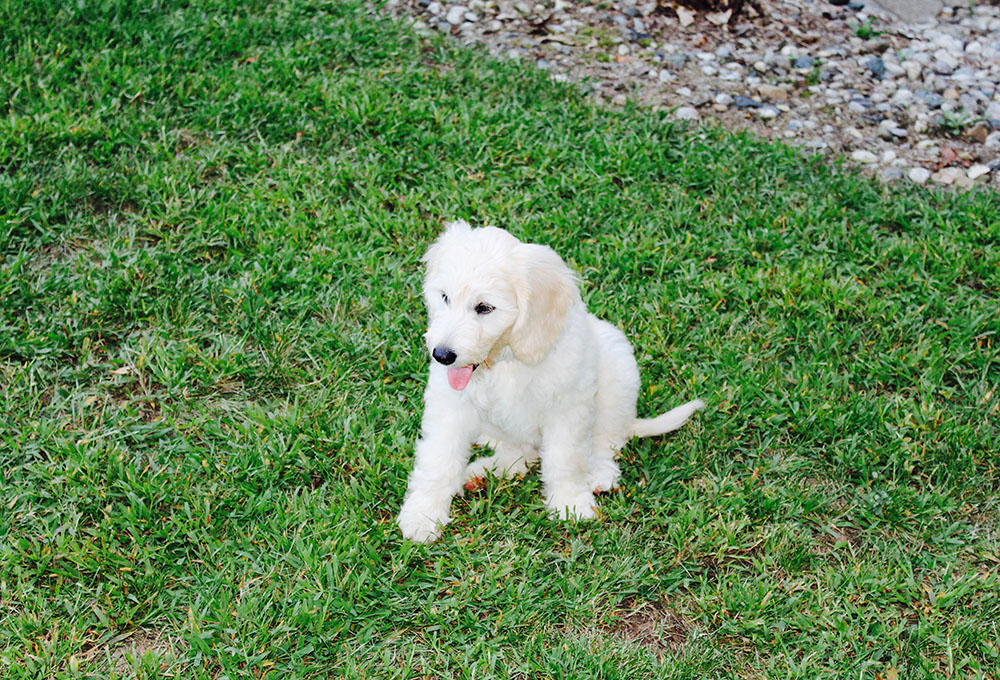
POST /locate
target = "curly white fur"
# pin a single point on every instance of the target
(519, 364)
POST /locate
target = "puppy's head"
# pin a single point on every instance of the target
(485, 290)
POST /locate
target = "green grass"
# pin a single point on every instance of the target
(211, 370)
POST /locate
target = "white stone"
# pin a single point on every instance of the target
(687, 113)
(919, 175)
(888, 156)
(456, 15)
(977, 171)
(913, 69)
(903, 96)
(947, 176)
(894, 68)
(862, 156)
(768, 112)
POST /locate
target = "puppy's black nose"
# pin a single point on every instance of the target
(443, 355)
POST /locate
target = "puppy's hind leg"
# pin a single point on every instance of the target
(509, 460)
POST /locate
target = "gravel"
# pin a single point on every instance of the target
(907, 101)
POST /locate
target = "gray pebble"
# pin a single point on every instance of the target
(942, 67)
(932, 100)
(742, 102)
(876, 66)
(804, 61)
(678, 61)
(891, 174)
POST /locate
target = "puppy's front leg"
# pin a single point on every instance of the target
(438, 470)
(565, 466)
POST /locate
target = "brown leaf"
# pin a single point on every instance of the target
(948, 156)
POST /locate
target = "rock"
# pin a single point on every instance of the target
(894, 68)
(993, 141)
(456, 15)
(876, 46)
(876, 66)
(767, 112)
(772, 92)
(891, 175)
(977, 171)
(742, 102)
(919, 175)
(677, 61)
(888, 129)
(687, 113)
(994, 165)
(947, 176)
(862, 156)
(724, 99)
(978, 132)
(804, 62)
(930, 99)
(913, 69)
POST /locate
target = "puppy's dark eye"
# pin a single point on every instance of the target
(445, 298)
(483, 308)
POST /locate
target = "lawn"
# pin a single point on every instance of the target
(211, 369)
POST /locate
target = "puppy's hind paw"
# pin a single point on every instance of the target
(579, 508)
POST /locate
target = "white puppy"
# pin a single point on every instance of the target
(519, 364)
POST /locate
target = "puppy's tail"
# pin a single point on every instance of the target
(666, 422)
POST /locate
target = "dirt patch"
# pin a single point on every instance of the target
(121, 652)
(650, 625)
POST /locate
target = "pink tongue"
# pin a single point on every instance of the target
(458, 378)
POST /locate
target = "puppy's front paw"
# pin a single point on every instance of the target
(422, 523)
(578, 507)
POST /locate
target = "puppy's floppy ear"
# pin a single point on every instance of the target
(545, 289)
